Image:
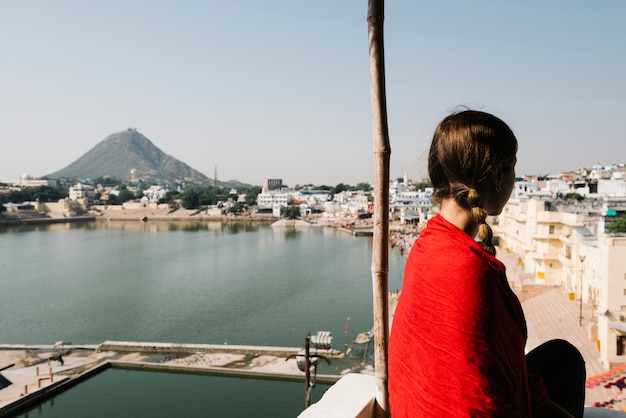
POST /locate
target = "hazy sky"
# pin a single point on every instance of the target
(280, 89)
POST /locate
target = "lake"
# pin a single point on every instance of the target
(188, 282)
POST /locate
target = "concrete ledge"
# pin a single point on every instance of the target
(220, 371)
(150, 347)
(351, 397)
(39, 395)
(48, 347)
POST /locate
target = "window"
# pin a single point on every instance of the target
(552, 228)
(621, 344)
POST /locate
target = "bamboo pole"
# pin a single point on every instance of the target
(380, 251)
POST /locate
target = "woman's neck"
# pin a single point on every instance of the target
(458, 216)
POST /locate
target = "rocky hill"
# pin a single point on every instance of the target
(130, 156)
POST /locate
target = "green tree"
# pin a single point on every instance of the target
(366, 187)
(237, 209)
(423, 185)
(50, 194)
(106, 180)
(574, 196)
(251, 195)
(170, 197)
(191, 198)
(125, 195)
(43, 193)
(113, 200)
(618, 226)
(340, 188)
(291, 212)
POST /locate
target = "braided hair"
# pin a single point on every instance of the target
(466, 148)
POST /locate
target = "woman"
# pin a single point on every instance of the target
(457, 342)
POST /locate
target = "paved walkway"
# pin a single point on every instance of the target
(551, 314)
(38, 377)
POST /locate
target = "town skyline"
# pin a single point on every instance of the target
(260, 181)
(282, 89)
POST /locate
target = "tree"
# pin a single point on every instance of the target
(618, 226)
(238, 209)
(43, 193)
(251, 195)
(106, 180)
(340, 188)
(574, 196)
(423, 185)
(366, 187)
(191, 198)
(125, 195)
(170, 196)
(291, 212)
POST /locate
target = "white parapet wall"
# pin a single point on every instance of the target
(351, 397)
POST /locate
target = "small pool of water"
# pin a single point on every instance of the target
(131, 393)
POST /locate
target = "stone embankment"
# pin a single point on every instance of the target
(118, 213)
(32, 219)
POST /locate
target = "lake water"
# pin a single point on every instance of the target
(134, 394)
(188, 282)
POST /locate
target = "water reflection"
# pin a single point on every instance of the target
(195, 282)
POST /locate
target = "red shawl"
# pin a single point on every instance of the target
(457, 341)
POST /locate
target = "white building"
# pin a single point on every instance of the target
(27, 181)
(82, 193)
(155, 193)
(411, 206)
(562, 249)
(354, 202)
(603, 282)
(274, 200)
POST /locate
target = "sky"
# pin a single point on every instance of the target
(255, 90)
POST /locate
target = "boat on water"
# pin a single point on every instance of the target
(364, 337)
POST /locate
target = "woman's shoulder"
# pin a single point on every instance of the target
(443, 243)
(460, 263)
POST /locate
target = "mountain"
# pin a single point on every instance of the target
(130, 156)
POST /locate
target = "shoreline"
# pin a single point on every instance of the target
(181, 215)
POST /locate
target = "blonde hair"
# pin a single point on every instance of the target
(466, 148)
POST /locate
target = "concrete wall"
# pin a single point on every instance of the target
(353, 396)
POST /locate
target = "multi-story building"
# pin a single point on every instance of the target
(82, 193)
(603, 284)
(354, 202)
(411, 206)
(567, 250)
(543, 240)
(272, 200)
(274, 184)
